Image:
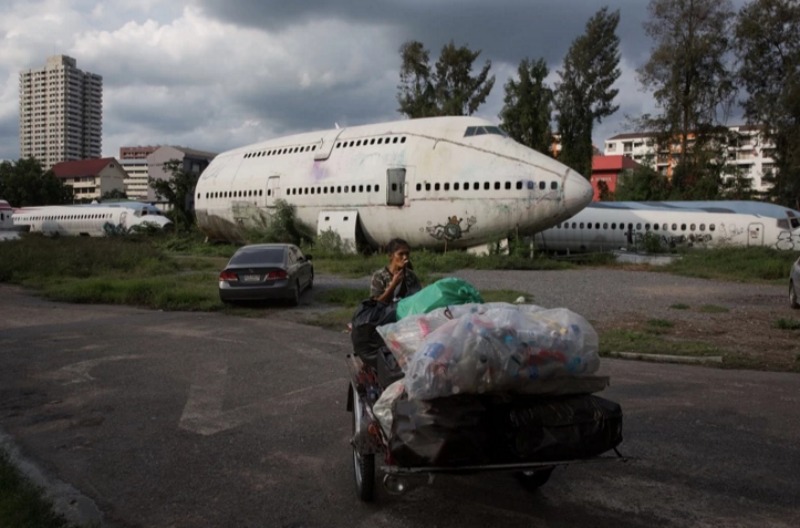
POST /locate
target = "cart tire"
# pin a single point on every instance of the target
(363, 464)
(533, 480)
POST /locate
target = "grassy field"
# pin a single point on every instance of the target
(178, 273)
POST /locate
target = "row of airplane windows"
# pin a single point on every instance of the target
(339, 144)
(281, 151)
(294, 191)
(372, 141)
(529, 184)
(37, 218)
(630, 226)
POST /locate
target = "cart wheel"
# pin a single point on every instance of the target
(533, 480)
(363, 464)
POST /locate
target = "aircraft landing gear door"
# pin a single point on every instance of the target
(396, 187)
(273, 190)
(755, 235)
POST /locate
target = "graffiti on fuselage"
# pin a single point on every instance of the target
(787, 241)
(674, 241)
(452, 229)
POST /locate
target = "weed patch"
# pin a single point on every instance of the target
(625, 340)
(787, 324)
(712, 308)
(735, 264)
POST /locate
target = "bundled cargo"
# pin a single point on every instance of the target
(493, 348)
(492, 429)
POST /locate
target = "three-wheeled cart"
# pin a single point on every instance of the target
(374, 451)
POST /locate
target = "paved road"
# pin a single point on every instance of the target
(154, 419)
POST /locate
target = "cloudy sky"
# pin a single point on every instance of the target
(216, 74)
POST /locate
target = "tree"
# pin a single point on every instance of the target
(689, 78)
(114, 194)
(528, 106)
(448, 89)
(178, 190)
(584, 94)
(642, 184)
(416, 92)
(24, 183)
(768, 48)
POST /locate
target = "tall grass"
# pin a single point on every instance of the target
(37, 257)
(737, 264)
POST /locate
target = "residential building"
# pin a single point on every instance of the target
(60, 112)
(608, 169)
(90, 179)
(134, 161)
(748, 152)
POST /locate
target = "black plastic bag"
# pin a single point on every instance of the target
(369, 315)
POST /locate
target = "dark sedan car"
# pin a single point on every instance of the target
(794, 285)
(266, 271)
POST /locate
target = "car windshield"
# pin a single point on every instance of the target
(259, 256)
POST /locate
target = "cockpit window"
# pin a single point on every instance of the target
(481, 130)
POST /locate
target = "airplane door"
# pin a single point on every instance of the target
(396, 187)
(273, 190)
(755, 235)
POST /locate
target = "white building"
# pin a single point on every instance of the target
(748, 152)
(60, 112)
(134, 161)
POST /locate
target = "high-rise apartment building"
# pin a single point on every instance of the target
(60, 112)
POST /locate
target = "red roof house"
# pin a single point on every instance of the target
(91, 178)
(608, 169)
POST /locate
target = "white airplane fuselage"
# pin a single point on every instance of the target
(86, 220)
(435, 182)
(620, 225)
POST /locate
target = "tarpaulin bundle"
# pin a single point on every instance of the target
(444, 292)
(492, 429)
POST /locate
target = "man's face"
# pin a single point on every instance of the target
(400, 257)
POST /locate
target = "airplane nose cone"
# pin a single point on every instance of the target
(578, 192)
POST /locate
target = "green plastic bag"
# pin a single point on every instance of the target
(444, 292)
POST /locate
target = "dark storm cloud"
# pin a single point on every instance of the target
(319, 108)
(504, 30)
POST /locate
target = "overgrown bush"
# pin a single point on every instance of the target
(281, 225)
(651, 243)
(329, 244)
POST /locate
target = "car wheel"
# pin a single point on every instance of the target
(533, 480)
(793, 296)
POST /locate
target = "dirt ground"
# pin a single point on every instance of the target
(747, 323)
(741, 320)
